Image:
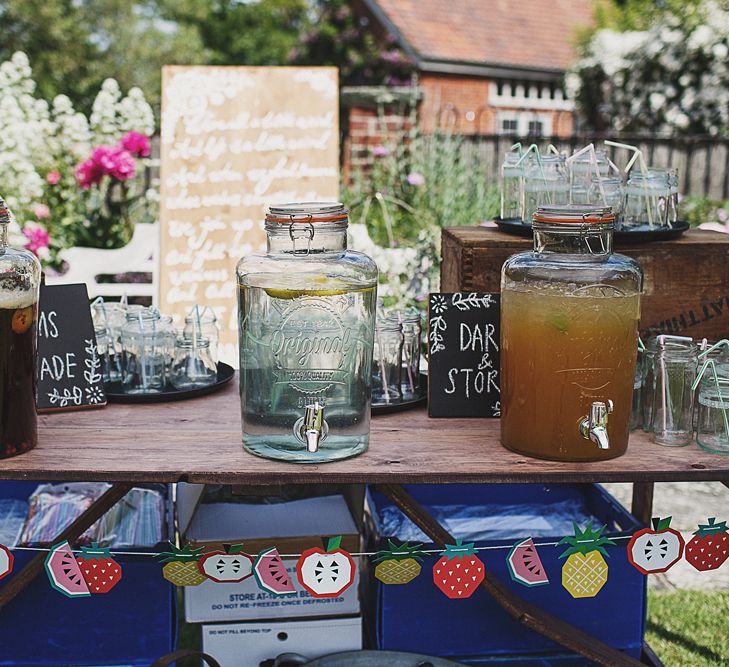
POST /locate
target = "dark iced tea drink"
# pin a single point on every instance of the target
(18, 429)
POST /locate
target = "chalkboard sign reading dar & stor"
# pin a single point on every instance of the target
(463, 354)
(69, 366)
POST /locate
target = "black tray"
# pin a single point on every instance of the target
(420, 399)
(518, 228)
(114, 393)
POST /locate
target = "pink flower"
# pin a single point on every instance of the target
(722, 215)
(53, 177)
(41, 211)
(136, 143)
(380, 151)
(416, 179)
(113, 161)
(38, 238)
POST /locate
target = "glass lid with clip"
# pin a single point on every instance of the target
(306, 327)
(569, 334)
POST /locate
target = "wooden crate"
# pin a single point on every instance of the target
(686, 287)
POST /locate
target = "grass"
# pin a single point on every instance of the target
(689, 628)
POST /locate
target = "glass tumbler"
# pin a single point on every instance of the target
(193, 365)
(674, 369)
(387, 362)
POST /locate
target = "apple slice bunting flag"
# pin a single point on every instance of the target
(6, 561)
(459, 571)
(656, 549)
(227, 567)
(326, 573)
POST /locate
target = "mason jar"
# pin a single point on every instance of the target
(612, 188)
(569, 336)
(306, 328)
(193, 364)
(203, 323)
(387, 362)
(546, 182)
(145, 352)
(646, 201)
(712, 406)
(512, 186)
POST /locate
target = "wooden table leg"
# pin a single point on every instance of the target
(88, 518)
(642, 505)
(525, 612)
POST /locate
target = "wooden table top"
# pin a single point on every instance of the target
(199, 440)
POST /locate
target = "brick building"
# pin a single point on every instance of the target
(484, 66)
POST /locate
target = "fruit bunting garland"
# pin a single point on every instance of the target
(398, 564)
(709, 547)
(657, 549)
(6, 561)
(181, 566)
(326, 573)
(459, 571)
(585, 571)
(64, 572)
(99, 569)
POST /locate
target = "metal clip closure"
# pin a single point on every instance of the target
(594, 426)
(301, 230)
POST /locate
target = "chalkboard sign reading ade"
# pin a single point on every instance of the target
(69, 367)
(463, 352)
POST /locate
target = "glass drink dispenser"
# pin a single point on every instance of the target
(306, 327)
(569, 334)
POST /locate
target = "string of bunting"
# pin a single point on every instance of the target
(328, 572)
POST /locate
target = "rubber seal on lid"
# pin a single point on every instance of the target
(574, 214)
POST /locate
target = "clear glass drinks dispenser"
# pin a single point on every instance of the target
(569, 335)
(306, 327)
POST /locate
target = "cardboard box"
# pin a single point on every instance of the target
(419, 618)
(291, 527)
(252, 644)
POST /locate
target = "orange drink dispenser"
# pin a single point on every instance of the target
(569, 335)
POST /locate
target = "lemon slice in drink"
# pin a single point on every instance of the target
(315, 286)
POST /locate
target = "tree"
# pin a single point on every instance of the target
(235, 32)
(342, 36)
(671, 77)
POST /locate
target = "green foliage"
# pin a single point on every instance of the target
(343, 37)
(698, 209)
(640, 14)
(242, 33)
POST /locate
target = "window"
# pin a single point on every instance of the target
(535, 128)
(509, 126)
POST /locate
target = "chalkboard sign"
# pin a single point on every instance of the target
(463, 352)
(69, 367)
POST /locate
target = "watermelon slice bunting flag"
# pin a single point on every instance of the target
(271, 575)
(64, 572)
(525, 566)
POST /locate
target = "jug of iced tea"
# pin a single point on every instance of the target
(306, 327)
(19, 284)
(569, 335)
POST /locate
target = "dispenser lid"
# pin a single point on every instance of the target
(307, 212)
(575, 214)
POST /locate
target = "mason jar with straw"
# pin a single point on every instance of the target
(412, 333)
(712, 399)
(108, 319)
(611, 187)
(204, 320)
(512, 185)
(585, 166)
(545, 182)
(387, 362)
(145, 350)
(646, 201)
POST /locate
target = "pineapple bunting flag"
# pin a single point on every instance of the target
(181, 566)
(585, 571)
(398, 564)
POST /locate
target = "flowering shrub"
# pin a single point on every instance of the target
(416, 185)
(673, 77)
(706, 213)
(62, 190)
